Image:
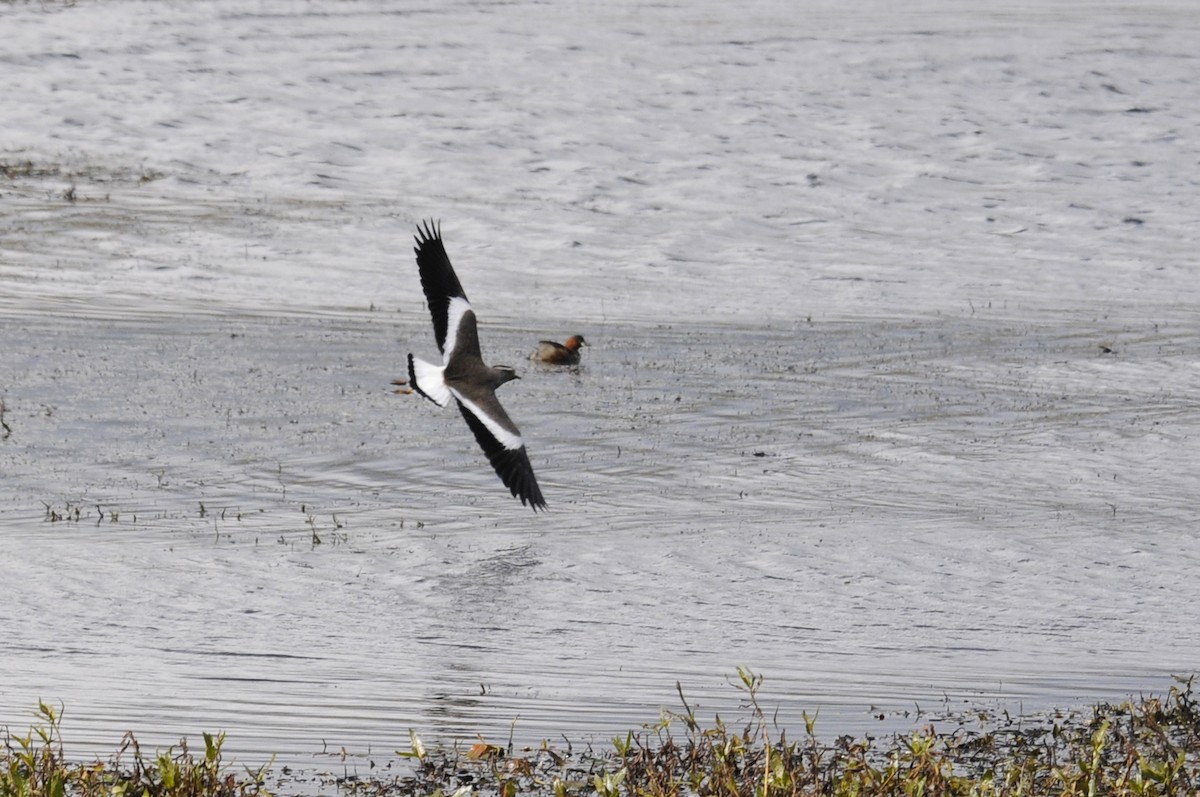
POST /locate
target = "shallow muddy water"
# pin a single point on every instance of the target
(872, 514)
(893, 392)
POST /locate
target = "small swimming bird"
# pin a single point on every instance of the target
(551, 353)
(463, 375)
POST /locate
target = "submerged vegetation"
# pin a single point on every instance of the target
(1149, 746)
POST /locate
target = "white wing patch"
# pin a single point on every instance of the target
(427, 378)
(507, 439)
(455, 311)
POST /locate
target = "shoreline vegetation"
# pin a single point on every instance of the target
(1147, 746)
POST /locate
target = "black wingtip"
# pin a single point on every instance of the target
(524, 486)
(530, 493)
(427, 231)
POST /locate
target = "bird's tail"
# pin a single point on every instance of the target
(427, 380)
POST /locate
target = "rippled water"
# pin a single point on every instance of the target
(892, 397)
(872, 514)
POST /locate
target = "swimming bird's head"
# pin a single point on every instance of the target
(575, 341)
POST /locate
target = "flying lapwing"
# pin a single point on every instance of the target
(463, 376)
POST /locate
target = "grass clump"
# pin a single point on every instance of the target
(36, 765)
(1138, 748)
(1144, 748)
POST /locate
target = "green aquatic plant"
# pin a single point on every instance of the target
(36, 765)
(1144, 748)
(70, 513)
(33, 762)
(1149, 747)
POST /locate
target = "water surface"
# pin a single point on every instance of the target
(892, 395)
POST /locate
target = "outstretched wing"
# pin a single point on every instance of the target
(500, 440)
(440, 283)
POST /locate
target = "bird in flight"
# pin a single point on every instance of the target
(463, 375)
(550, 353)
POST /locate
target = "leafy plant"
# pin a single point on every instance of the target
(1147, 748)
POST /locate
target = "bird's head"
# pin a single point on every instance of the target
(575, 341)
(502, 374)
